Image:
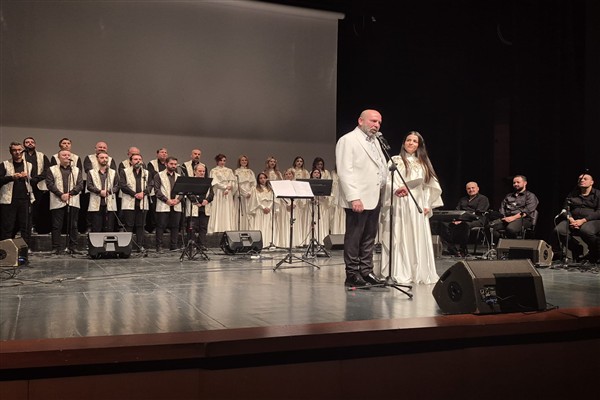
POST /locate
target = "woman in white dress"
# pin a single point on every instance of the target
(337, 213)
(271, 169)
(246, 181)
(302, 212)
(412, 254)
(222, 208)
(319, 163)
(299, 171)
(262, 210)
(284, 215)
(321, 212)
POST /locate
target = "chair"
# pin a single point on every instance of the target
(527, 232)
(480, 237)
(530, 232)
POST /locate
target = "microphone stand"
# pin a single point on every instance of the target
(390, 281)
(144, 177)
(29, 202)
(271, 244)
(564, 262)
(239, 224)
(70, 180)
(115, 213)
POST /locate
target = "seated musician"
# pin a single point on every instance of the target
(517, 210)
(580, 217)
(459, 229)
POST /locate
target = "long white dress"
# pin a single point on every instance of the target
(336, 213)
(321, 217)
(273, 175)
(246, 181)
(222, 208)
(413, 260)
(302, 213)
(325, 174)
(259, 221)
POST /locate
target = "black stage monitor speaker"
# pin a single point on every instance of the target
(538, 251)
(109, 244)
(486, 287)
(13, 252)
(234, 242)
(334, 242)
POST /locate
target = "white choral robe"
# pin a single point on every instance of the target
(246, 181)
(302, 211)
(413, 260)
(273, 175)
(259, 221)
(222, 208)
(283, 217)
(321, 218)
(336, 213)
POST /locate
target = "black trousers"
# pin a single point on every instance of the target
(16, 215)
(359, 241)
(151, 215)
(589, 232)
(512, 229)
(167, 220)
(199, 228)
(459, 233)
(40, 217)
(134, 221)
(68, 215)
(102, 220)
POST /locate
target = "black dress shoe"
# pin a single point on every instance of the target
(373, 279)
(356, 281)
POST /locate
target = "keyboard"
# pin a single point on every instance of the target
(453, 215)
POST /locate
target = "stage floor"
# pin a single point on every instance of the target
(75, 296)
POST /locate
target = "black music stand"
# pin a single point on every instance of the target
(319, 187)
(191, 188)
(292, 190)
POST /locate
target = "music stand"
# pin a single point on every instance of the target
(319, 187)
(292, 190)
(191, 187)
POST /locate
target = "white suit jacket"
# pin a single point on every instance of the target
(359, 170)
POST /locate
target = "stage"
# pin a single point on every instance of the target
(75, 327)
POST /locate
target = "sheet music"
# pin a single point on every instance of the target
(292, 189)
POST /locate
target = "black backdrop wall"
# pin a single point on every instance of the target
(497, 88)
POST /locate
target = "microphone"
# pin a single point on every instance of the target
(383, 141)
(561, 213)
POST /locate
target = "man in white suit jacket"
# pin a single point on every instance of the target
(362, 171)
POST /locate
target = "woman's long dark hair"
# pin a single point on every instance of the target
(421, 155)
(268, 185)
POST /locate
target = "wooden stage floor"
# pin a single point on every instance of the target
(75, 296)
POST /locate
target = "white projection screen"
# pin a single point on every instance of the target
(231, 77)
